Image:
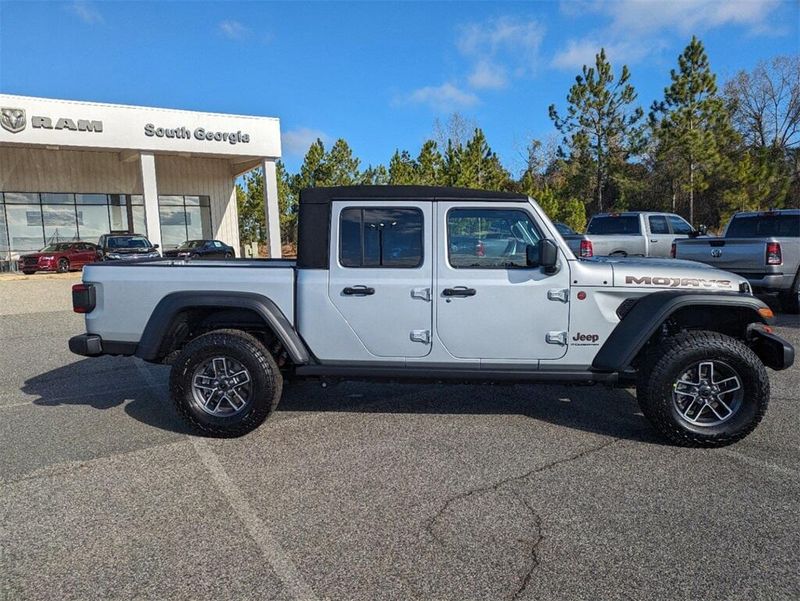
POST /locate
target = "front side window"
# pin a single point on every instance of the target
(679, 226)
(489, 238)
(380, 237)
(658, 224)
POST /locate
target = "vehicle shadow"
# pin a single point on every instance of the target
(108, 382)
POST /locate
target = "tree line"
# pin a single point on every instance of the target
(700, 151)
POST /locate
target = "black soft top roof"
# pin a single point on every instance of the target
(388, 193)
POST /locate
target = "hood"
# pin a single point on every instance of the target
(36, 255)
(138, 250)
(671, 274)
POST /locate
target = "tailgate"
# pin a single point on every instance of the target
(730, 254)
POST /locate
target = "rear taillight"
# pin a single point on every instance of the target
(774, 256)
(673, 250)
(480, 250)
(83, 298)
(586, 249)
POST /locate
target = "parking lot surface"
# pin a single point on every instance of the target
(366, 491)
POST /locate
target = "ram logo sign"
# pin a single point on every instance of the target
(667, 282)
(13, 120)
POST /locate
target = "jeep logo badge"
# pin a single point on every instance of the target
(716, 253)
(12, 120)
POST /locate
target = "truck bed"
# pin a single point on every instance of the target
(140, 285)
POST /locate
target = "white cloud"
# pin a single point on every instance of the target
(233, 29)
(637, 28)
(488, 75)
(446, 97)
(499, 45)
(295, 142)
(85, 12)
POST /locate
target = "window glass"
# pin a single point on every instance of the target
(138, 223)
(61, 199)
(120, 218)
(192, 200)
(91, 199)
(679, 226)
(135, 199)
(762, 226)
(173, 225)
(60, 224)
(118, 200)
(380, 237)
(21, 197)
(198, 223)
(3, 231)
(658, 224)
(614, 224)
(489, 238)
(25, 227)
(92, 221)
(217, 244)
(170, 200)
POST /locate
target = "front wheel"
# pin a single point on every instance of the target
(703, 389)
(225, 383)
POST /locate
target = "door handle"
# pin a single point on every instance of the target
(459, 291)
(358, 291)
(653, 241)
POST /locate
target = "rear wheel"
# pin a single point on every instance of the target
(225, 383)
(703, 389)
(63, 266)
(28, 272)
(229, 255)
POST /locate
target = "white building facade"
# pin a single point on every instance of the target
(75, 170)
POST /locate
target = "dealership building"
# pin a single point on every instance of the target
(75, 170)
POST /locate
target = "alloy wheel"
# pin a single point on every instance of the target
(708, 394)
(221, 386)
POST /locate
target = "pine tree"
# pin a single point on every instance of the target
(692, 124)
(314, 171)
(375, 176)
(600, 123)
(480, 167)
(402, 169)
(430, 165)
(341, 166)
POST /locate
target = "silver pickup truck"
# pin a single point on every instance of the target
(632, 234)
(399, 282)
(762, 246)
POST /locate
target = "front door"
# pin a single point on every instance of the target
(380, 277)
(489, 303)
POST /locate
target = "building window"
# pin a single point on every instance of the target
(183, 218)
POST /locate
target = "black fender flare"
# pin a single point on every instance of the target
(169, 306)
(649, 313)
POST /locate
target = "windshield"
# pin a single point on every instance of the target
(614, 224)
(128, 242)
(564, 229)
(764, 226)
(56, 247)
(191, 244)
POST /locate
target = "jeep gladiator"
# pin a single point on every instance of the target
(391, 283)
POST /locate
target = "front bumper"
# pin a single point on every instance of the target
(92, 345)
(775, 352)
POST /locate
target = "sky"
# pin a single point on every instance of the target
(378, 74)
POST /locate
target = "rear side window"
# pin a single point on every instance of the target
(380, 237)
(679, 226)
(763, 226)
(658, 224)
(489, 238)
(614, 224)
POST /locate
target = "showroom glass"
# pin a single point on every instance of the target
(380, 237)
(183, 218)
(489, 238)
(679, 226)
(658, 224)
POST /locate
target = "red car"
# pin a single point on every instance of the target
(60, 257)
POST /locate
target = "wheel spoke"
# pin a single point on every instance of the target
(721, 402)
(239, 397)
(714, 411)
(708, 366)
(723, 384)
(219, 386)
(708, 393)
(240, 378)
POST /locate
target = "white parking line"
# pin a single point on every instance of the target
(277, 558)
(785, 471)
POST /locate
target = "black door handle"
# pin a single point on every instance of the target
(358, 291)
(459, 291)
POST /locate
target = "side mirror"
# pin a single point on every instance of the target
(544, 254)
(155, 245)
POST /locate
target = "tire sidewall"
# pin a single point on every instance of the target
(265, 382)
(63, 266)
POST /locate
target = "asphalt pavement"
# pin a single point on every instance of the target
(367, 491)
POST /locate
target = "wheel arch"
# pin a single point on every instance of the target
(208, 307)
(723, 312)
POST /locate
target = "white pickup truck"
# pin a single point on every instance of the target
(407, 282)
(630, 234)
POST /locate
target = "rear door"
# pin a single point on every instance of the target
(659, 236)
(489, 304)
(381, 274)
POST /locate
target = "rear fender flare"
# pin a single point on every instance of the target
(650, 312)
(172, 304)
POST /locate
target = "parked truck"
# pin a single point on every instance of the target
(762, 246)
(630, 234)
(385, 287)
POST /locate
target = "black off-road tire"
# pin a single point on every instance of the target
(790, 300)
(63, 266)
(665, 363)
(266, 378)
(28, 272)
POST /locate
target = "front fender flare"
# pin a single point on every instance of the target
(650, 312)
(168, 307)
